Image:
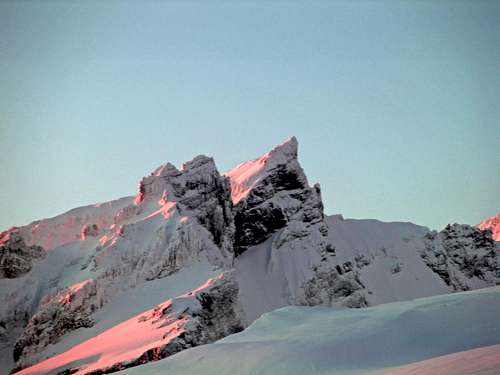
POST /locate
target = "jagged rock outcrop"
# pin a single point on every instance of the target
(279, 221)
(214, 313)
(188, 213)
(58, 314)
(272, 193)
(182, 249)
(198, 189)
(17, 258)
(463, 256)
(330, 287)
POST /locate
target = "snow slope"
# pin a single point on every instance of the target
(319, 340)
(164, 325)
(386, 257)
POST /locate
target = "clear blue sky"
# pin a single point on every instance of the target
(396, 105)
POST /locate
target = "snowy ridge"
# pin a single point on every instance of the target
(202, 255)
(67, 227)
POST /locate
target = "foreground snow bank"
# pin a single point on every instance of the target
(318, 340)
(480, 361)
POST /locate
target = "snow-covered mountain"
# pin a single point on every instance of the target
(198, 255)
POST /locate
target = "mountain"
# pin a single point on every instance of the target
(198, 255)
(493, 224)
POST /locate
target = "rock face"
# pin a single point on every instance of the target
(211, 253)
(281, 234)
(492, 224)
(274, 196)
(463, 256)
(197, 188)
(17, 258)
(211, 313)
(57, 315)
(329, 286)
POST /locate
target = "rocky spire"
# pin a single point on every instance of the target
(270, 192)
(280, 161)
(198, 190)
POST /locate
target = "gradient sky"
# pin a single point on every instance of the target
(396, 105)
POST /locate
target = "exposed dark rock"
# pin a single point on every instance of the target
(198, 188)
(283, 196)
(329, 286)
(16, 258)
(89, 230)
(461, 252)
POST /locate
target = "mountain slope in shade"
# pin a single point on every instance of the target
(197, 255)
(318, 340)
(493, 224)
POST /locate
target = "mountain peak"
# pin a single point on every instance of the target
(287, 150)
(197, 162)
(247, 174)
(165, 169)
(158, 182)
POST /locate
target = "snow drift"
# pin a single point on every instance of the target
(318, 340)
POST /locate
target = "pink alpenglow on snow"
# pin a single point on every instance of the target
(247, 174)
(72, 290)
(493, 224)
(480, 361)
(128, 340)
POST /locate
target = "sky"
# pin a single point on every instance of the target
(395, 103)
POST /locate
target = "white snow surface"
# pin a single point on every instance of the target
(388, 247)
(418, 335)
